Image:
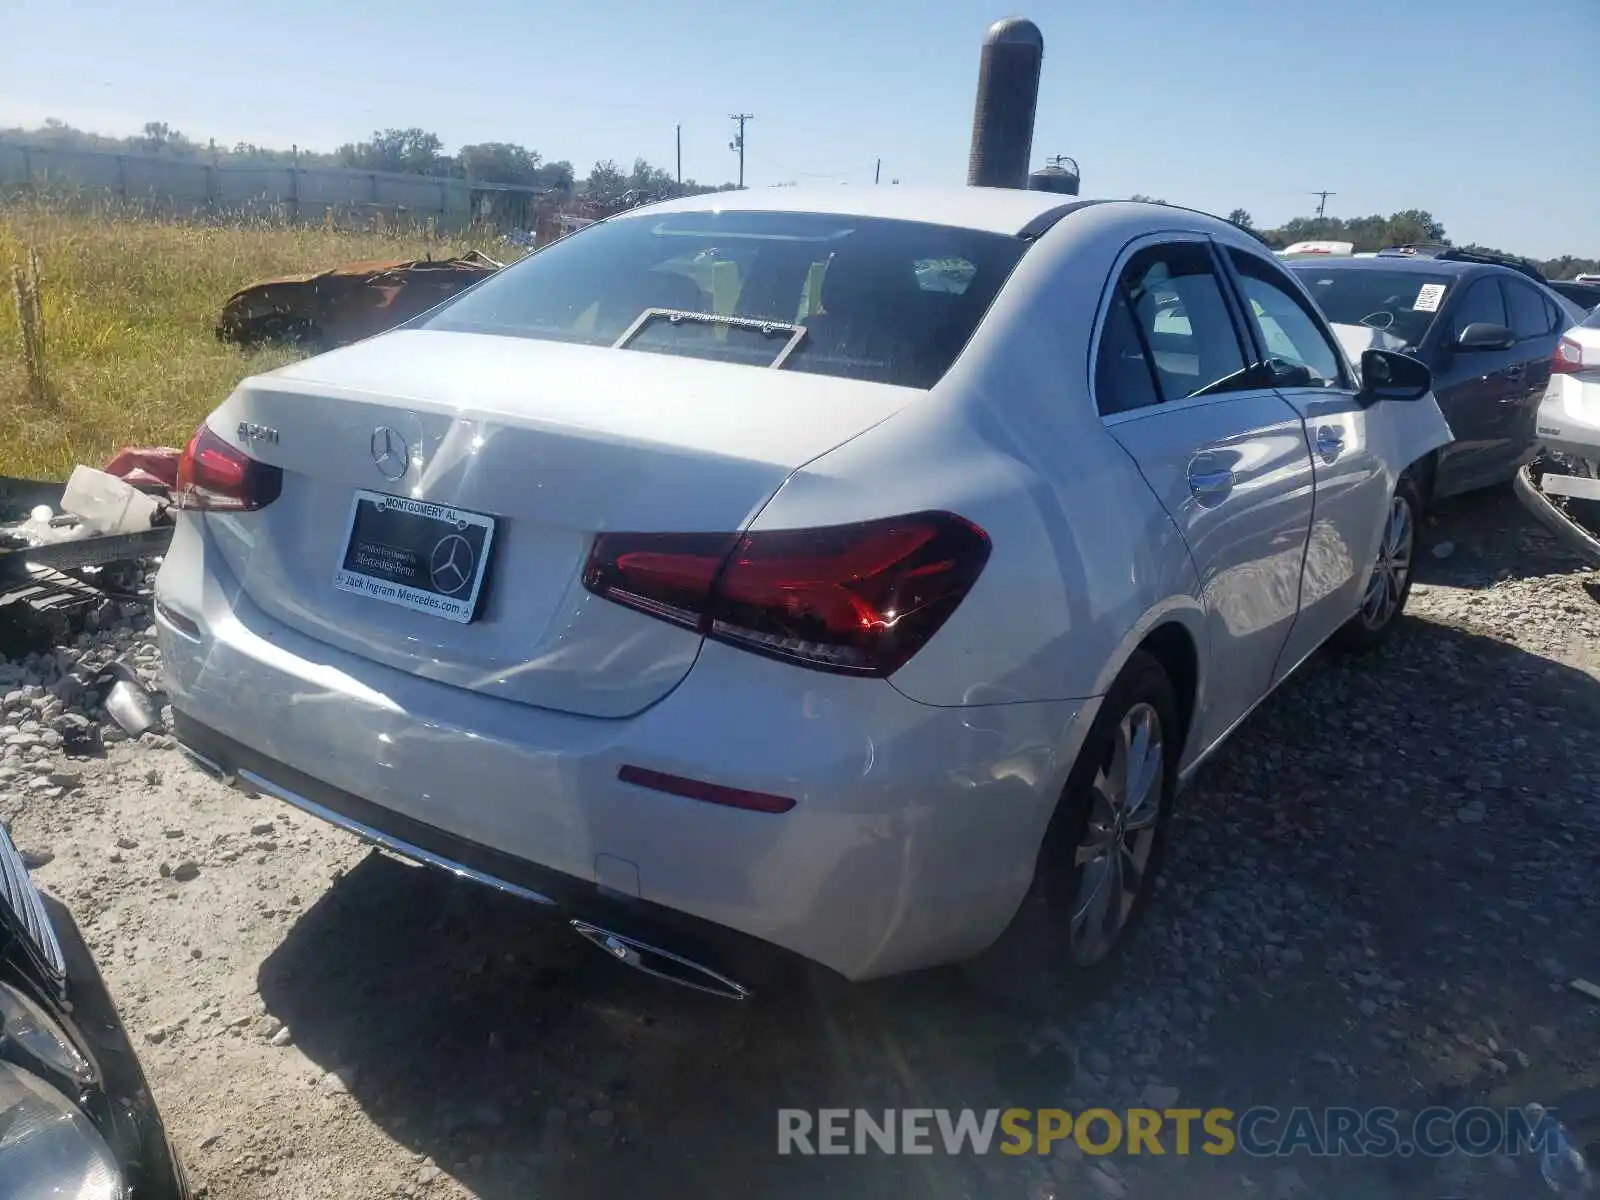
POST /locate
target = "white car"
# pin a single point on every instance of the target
(823, 573)
(1569, 413)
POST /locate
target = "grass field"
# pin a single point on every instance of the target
(128, 306)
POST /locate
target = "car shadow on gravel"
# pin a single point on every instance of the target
(480, 1032)
(1375, 895)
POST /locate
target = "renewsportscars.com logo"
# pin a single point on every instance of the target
(1259, 1132)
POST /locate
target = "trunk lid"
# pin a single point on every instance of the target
(556, 442)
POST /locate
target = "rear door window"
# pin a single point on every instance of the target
(1530, 316)
(1176, 301)
(1481, 302)
(872, 299)
(1123, 378)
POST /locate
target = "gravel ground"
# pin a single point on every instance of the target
(1376, 896)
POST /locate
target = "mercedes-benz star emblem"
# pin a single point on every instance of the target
(450, 566)
(390, 454)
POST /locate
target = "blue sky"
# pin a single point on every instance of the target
(1484, 112)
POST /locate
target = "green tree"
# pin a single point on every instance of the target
(499, 162)
(556, 176)
(606, 183)
(414, 151)
(1243, 220)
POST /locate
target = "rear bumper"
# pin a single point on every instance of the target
(911, 842)
(755, 966)
(1569, 417)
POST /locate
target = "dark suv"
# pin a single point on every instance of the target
(1488, 332)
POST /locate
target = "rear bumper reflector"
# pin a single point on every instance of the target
(711, 793)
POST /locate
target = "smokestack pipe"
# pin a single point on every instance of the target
(1008, 96)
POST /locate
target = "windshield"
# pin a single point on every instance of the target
(1402, 304)
(885, 301)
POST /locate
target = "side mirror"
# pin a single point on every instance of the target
(1485, 335)
(1386, 375)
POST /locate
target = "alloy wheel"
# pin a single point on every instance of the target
(1113, 858)
(1387, 584)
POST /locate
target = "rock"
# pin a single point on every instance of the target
(1545, 1034)
(1102, 1184)
(1553, 968)
(270, 1026)
(65, 777)
(194, 952)
(602, 1118)
(166, 833)
(1445, 549)
(1160, 1096)
(338, 1082)
(166, 870)
(1287, 1184)
(186, 870)
(262, 828)
(156, 1034)
(127, 843)
(1472, 813)
(282, 1038)
(428, 1174)
(34, 859)
(211, 1139)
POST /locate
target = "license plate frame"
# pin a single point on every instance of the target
(426, 557)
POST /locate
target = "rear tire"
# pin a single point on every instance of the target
(1102, 851)
(1389, 583)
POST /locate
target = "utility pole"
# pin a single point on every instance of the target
(1322, 201)
(738, 141)
(680, 152)
(877, 172)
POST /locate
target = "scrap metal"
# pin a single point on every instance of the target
(346, 303)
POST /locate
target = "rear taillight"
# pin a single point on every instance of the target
(859, 599)
(216, 477)
(1568, 358)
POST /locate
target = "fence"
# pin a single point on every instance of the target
(294, 193)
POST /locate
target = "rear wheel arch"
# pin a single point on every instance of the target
(1173, 646)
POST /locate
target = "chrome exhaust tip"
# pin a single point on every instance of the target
(663, 964)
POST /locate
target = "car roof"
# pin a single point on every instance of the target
(1420, 265)
(994, 210)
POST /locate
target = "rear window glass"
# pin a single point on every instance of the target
(1592, 321)
(878, 300)
(1404, 304)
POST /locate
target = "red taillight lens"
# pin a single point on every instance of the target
(214, 476)
(860, 599)
(1568, 358)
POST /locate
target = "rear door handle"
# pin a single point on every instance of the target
(1207, 481)
(1330, 443)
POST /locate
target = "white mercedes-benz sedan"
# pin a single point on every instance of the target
(857, 574)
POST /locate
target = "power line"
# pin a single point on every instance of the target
(738, 140)
(1322, 201)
